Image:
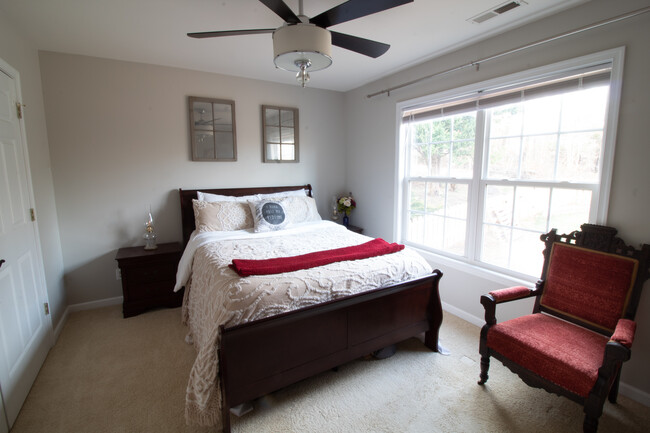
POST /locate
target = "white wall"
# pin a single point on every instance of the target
(23, 57)
(371, 130)
(119, 140)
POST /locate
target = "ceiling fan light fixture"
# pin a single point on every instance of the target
(302, 76)
(296, 43)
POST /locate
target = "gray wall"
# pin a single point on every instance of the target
(119, 139)
(371, 130)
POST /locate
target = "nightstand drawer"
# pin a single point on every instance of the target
(151, 290)
(150, 274)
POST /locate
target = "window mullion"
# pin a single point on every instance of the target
(425, 211)
(444, 215)
(451, 147)
(550, 209)
(406, 186)
(476, 189)
(521, 140)
(511, 229)
(558, 137)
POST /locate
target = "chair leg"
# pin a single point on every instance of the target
(485, 366)
(593, 409)
(613, 392)
(590, 424)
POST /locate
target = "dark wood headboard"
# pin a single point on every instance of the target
(187, 211)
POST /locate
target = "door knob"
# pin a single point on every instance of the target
(1, 262)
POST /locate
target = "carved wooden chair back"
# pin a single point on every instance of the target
(592, 278)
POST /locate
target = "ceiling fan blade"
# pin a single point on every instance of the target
(201, 35)
(359, 45)
(354, 9)
(282, 10)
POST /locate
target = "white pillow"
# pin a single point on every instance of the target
(206, 196)
(221, 216)
(274, 195)
(268, 215)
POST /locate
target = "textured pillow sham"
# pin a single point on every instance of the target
(221, 216)
(300, 209)
(268, 215)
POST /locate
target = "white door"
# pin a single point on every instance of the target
(25, 329)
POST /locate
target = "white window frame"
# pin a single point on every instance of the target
(469, 264)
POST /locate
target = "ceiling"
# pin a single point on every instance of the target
(154, 31)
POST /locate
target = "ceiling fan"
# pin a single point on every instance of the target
(304, 43)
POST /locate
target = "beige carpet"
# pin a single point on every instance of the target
(109, 374)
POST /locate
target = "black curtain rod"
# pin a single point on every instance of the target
(476, 63)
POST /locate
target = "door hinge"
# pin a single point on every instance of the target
(46, 306)
(32, 214)
(19, 109)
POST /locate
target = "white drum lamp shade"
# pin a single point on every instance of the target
(299, 42)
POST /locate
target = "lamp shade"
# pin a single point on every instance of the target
(294, 44)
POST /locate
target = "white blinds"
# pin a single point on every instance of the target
(488, 98)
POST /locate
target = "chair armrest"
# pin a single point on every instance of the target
(617, 351)
(490, 300)
(511, 293)
(624, 332)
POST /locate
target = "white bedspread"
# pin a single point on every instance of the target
(216, 295)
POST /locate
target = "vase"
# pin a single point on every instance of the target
(150, 241)
(346, 220)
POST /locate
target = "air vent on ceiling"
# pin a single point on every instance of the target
(495, 11)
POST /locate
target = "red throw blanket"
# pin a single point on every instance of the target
(373, 248)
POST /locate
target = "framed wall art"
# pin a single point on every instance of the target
(279, 134)
(212, 129)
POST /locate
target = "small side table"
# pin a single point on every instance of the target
(148, 277)
(355, 229)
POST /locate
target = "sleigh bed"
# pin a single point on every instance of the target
(250, 355)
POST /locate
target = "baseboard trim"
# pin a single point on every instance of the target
(61, 324)
(81, 307)
(476, 321)
(95, 304)
(634, 393)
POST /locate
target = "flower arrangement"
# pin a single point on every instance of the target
(345, 204)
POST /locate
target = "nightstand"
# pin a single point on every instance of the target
(148, 277)
(355, 229)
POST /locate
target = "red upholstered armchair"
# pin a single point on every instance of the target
(582, 326)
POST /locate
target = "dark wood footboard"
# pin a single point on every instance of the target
(263, 356)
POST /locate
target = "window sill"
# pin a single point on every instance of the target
(475, 270)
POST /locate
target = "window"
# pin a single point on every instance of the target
(485, 171)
